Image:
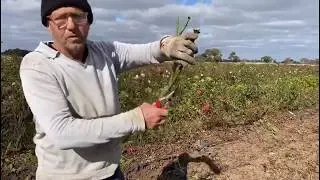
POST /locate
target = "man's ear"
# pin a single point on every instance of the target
(49, 28)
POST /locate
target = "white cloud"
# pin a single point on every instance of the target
(19, 5)
(298, 45)
(286, 23)
(252, 28)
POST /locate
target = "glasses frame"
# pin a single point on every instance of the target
(78, 19)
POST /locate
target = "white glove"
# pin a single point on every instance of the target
(180, 48)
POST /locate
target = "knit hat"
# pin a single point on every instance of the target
(48, 6)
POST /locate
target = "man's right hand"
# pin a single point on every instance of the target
(153, 116)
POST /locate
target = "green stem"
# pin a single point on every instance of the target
(177, 26)
(173, 79)
(176, 67)
(185, 26)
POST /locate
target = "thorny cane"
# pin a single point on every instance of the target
(168, 91)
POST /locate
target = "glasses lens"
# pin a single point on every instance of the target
(79, 19)
(60, 22)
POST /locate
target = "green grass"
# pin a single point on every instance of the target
(16, 118)
(209, 95)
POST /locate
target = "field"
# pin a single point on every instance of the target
(250, 120)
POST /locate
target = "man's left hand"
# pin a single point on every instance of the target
(180, 48)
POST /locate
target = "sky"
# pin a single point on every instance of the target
(251, 28)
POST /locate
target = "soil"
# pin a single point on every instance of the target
(282, 146)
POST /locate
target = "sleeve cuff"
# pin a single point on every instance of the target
(138, 120)
(156, 51)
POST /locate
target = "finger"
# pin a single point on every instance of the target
(186, 50)
(191, 45)
(162, 121)
(178, 55)
(163, 112)
(183, 63)
(189, 36)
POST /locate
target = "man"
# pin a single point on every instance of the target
(71, 87)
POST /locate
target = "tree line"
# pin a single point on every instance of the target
(215, 55)
(16, 52)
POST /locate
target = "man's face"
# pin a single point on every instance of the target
(69, 27)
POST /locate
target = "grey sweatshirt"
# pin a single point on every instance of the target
(76, 107)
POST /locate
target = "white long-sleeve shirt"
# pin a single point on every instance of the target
(76, 107)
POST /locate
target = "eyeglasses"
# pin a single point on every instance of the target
(61, 22)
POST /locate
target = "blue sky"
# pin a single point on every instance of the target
(251, 28)
(193, 2)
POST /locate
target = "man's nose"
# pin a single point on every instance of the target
(70, 23)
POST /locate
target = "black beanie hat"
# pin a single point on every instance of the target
(48, 6)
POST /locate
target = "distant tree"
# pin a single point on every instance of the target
(17, 52)
(267, 59)
(256, 60)
(214, 54)
(305, 61)
(217, 58)
(233, 57)
(288, 60)
(232, 54)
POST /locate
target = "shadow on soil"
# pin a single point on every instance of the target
(177, 170)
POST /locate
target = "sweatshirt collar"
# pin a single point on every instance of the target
(46, 50)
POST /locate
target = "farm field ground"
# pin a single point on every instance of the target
(282, 146)
(229, 121)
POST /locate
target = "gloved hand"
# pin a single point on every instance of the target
(180, 48)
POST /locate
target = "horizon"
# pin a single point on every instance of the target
(223, 59)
